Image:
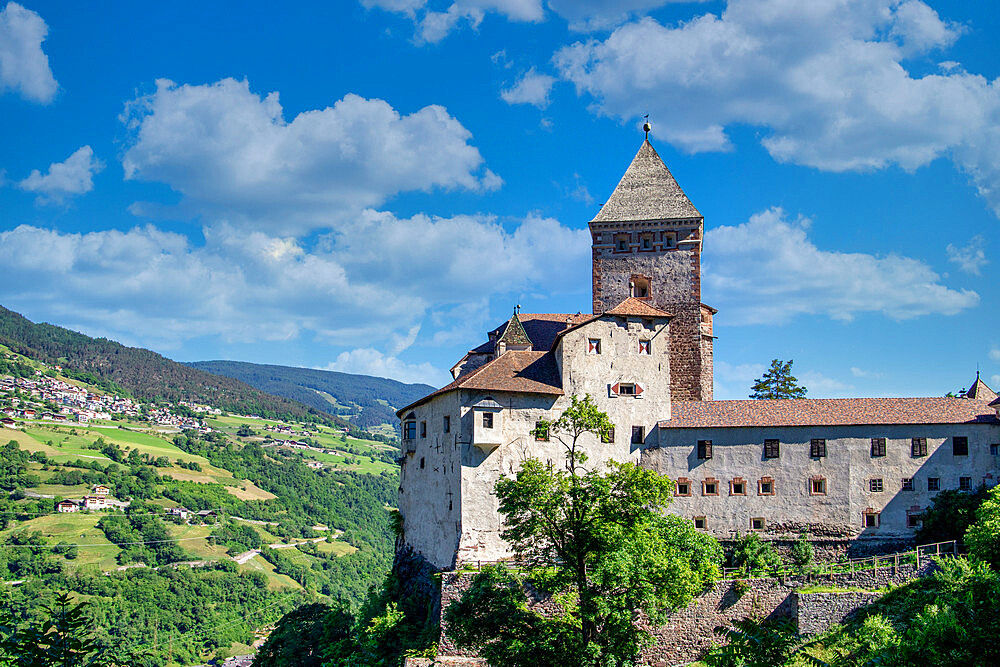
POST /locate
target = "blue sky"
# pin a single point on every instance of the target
(369, 186)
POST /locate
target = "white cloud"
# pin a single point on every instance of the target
(385, 283)
(588, 15)
(23, 65)
(767, 270)
(733, 381)
(435, 24)
(66, 179)
(861, 373)
(532, 88)
(821, 386)
(995, 380)
(232, 155)
(826, 79)
(971, 257)
(995, 354)
(369, 361)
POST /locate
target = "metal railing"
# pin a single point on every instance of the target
(916, 556)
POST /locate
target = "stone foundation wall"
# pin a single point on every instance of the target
(689, 632)
(818, 612)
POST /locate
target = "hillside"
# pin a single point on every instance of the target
(145, 374)
(368, 402)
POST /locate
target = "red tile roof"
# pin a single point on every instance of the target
(633, 307)
(828, 412)
(541, 328)
(523, 371)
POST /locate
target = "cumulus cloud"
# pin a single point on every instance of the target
(589, 15)
(377, 283)
(436, 20)
(24, 67)
(66, 179)
(532, 88)
(767, 270)
(971, 257)
(369, 361)
(827, 80)
(995, 354)
(231, 154)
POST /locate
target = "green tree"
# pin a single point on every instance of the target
(755, 556)
(983, 537)
(802, 553)
(599, 543)
(778, 382)
(752, 643)
(305, 636)
(63, 639)
(950, 515)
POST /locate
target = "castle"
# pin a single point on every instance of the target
(851, 472)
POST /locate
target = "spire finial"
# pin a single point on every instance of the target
(646, 127)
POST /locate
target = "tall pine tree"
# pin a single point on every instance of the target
(778, 382)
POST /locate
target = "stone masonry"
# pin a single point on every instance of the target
(689, 632)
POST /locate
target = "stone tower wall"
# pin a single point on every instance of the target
(674, 274)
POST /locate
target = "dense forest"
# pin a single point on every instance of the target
(369, 401)
(143, 373)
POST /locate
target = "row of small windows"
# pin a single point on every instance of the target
(870, 519)
(817, 447)
(594, 346)
(817, 486)
(646, 241)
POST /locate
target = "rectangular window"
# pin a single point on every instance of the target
(878, 446)
(626, 389)
(683, 488)
(638, 435)
(757, 523)
(622, 242)
(965, 484)
(409, 430)
(738, 487)
(646, 242)
(817, 448)
(700, 523)
(609, 437)
(704, 449)
(817, 486)
(912, 520)
(933, 483)
(541, 431)
(487, 420)
(593, 346)
(995, 449)
(421, 463)
(772, 449)
(765, 487)
(447, 424)
(907, 484)
(423, 429)
(918, 447)
(871, 519)
(875, 485)
(644, 347)
(960, 445)
(710, 488)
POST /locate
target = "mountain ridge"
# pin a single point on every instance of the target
(144, 373)
(370, 401)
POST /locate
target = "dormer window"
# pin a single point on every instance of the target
(487, 420)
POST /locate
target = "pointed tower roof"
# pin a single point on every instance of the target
(647, 191)
(980, 391)
(514, 334)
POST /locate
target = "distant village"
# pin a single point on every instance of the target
(32, 398)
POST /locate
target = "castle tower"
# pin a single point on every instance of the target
(647, 244)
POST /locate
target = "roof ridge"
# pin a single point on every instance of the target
(647, 191)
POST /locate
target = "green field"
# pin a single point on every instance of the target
(77, 528)
(275, 581)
